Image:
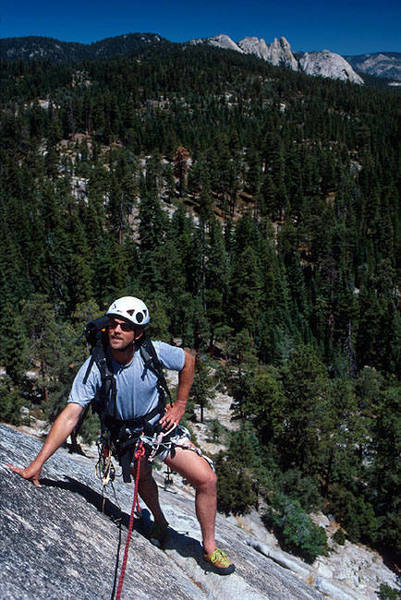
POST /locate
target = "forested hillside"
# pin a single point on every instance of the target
(257, 211)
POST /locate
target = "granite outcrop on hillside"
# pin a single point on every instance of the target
(328, 64)
(279, 53)
(58, 543)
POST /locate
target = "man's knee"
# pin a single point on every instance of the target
(209, 480)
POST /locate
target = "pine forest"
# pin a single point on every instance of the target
(257, 212)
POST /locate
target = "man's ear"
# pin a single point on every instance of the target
(138, 332)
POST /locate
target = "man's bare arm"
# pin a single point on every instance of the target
(61, 429)
(175, 412)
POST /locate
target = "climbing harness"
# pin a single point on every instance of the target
(160, 445)
(156, 442)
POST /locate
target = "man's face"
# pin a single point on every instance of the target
(120, 333)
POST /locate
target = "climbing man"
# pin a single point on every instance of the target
(136, 403)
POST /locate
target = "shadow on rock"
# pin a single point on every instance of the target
(187, 547)
(100, 502)
(183, 543)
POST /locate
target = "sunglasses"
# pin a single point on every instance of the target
(123, 326)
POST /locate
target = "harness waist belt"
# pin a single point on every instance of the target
(115, 425)
(125, 435)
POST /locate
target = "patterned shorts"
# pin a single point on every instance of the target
(180, 437)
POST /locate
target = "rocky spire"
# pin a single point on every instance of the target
(277, 53)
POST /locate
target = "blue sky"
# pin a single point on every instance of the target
(344, 26)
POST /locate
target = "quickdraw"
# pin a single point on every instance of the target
(156, 442)
(104, 468)
(181, 439)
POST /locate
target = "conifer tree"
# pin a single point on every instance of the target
(14, 353)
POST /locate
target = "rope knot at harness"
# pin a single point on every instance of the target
(140, 451)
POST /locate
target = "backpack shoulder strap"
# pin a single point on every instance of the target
(98, 356)
(108, 388)
(152, 362)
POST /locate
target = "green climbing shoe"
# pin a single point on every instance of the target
(219, 561)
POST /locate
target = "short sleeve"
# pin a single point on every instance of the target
(83, 393)
(171, 357)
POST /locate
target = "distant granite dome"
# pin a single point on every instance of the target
(328, 64)
(224, 41)
(256, 46)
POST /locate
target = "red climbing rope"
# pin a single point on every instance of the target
(140, 452)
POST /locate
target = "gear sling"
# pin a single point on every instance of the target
(122, 435)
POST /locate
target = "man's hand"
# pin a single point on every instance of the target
(61, 429)
(32, 472)
(172, 416)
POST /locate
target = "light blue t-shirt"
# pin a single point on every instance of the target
(136, 386)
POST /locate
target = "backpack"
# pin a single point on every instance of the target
(122, 434)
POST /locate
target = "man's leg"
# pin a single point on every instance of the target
(149, 493)
(198, 472)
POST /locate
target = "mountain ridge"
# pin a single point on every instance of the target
(31, 47)
(379, 64)
(278, 53)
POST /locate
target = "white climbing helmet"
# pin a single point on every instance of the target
(131, 309)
